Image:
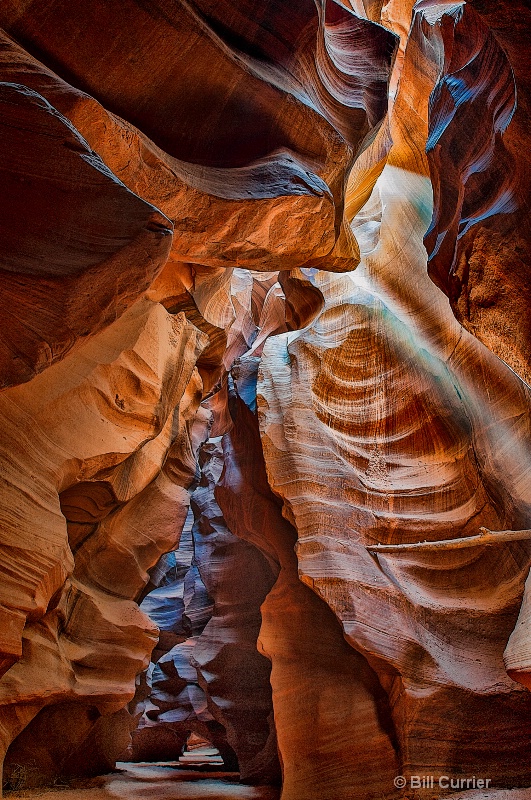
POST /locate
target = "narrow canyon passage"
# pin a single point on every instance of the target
(265, 429)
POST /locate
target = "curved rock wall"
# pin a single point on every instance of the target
(487, 180)
(271, 261)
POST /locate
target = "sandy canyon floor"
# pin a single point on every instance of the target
(170, 782)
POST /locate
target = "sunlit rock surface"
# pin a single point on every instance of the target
(361, 454)
(270, 263)
(84, 438)
(314, 672)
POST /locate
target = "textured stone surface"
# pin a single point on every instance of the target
(332, 92)
(360, 453)
(479, 241)
(352, 601)
(315, 676)
(230, 668)
(208, 676)
(173, 704)
(76, 244)
(85, 637)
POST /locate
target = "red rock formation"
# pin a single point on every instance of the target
(218, 153)
(234, 675)
(363, 450)
(219, 200)
(77, 245)
(478, 240)
(333, 723)
(83, 422)
(282, 144)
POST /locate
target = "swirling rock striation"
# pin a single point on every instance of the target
(478, 241)
(332, 94)
(420, 618)
(76, 244)
(333, 722)
(385, 422)
(335, 601)
(234, 674)
(100, 447)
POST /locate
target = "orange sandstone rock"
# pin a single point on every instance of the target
(78, 247)
(84, 419)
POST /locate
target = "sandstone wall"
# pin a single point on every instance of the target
(271, 262)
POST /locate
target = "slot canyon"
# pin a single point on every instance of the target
(265, 361)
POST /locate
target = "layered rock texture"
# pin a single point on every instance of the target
(265, 450)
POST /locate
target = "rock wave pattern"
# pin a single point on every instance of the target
(265, 451)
